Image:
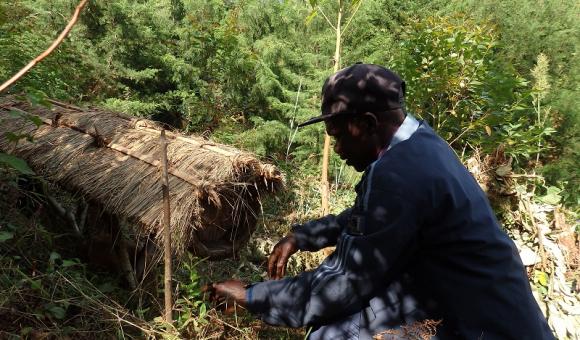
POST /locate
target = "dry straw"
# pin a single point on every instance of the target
(113, 160)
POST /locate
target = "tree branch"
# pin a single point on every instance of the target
(67, 215)
(325, 17)
(125, 261)
(351, 16)
(54, 45)
(83, 209)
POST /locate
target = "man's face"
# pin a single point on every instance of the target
(351, 141)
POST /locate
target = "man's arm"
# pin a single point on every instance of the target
(320, 233)
(343, 284)
(313, 235)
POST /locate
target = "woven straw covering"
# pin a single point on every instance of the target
(114, 160)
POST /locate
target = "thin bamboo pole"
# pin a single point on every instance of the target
(324, 185)
(166, 231)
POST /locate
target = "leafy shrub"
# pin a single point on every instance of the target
(455, 82)
(267, 138)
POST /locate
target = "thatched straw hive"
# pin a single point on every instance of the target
(113, 160)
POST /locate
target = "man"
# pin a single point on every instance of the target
(421, 241)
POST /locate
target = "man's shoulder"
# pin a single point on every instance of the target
(401, 177)
(411, 159)
(414, 166)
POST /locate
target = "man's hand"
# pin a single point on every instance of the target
(228, 292)
(280, 255)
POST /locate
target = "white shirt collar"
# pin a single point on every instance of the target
(404, 132)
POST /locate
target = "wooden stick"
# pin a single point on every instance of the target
(121, 250)
(125, 261)
(522, 175)
(324, 184)
(146, 259)
(67, 215)
(166, 230)
(54, 45)
(539, 233)
(65, 105)
(84, 209)
(208, 146)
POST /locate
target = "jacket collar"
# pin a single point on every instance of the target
(404, 132)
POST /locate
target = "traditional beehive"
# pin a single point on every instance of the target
(114, 160)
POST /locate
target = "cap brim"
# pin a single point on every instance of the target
(319, 119)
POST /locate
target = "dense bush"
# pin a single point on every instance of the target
(458, 84)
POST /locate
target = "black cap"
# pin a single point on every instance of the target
(358, 89)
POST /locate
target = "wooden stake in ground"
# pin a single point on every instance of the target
(166, 230)
(54, 45)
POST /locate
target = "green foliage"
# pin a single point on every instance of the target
(36, 98)
(456, 83)
(564, 174)
(267, 137)
(54, 292)
(444, 63)
(552, 196)
(6, 235)
(27, 28)
(528, 28)
(375, 33)
(15, 163)
(190, 307)
(541, 280)
(241, 72)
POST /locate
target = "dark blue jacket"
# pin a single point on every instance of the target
(421, 221)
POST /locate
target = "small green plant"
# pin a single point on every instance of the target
(15, 163)
(191, 309)
(551, 196)
(541, 281)
(35, 98)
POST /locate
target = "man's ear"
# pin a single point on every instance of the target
(369, 121)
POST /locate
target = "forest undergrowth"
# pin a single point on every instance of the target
(49, 292)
